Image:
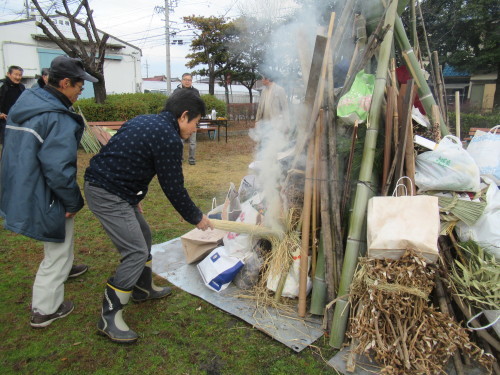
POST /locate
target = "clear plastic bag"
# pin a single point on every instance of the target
(449, 167)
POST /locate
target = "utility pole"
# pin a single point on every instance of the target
(27, 5)
(167, 46)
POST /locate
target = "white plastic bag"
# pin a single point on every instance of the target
(218, 269)
(485, 150)
(239, 244)
(449, 167)
(291, 287)
(486, 230)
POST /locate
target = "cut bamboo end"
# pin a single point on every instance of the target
(254, 230)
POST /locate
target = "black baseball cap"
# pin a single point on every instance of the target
(69, 67)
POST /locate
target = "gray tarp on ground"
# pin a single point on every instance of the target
(294, 332)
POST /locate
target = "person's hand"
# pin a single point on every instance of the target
(139, 207)
(3, 116)
(205, 223)
(69, 215)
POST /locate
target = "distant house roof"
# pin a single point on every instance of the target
(156, 78)
(450, 71)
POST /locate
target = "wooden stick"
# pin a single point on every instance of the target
(318, 100)
(314, 221)
(306, 227)
(410, 160)
(457, 113)
(443, 305)
(389, 116)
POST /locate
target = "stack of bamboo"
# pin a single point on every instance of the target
(330, 217)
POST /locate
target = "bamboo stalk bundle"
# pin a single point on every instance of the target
(254, 230)
(89, 141)
(467, 211)
(357, 219)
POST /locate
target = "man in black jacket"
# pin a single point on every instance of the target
(117, 181)
(10, 91)
(187, 84)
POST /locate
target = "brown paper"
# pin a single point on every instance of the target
(197, 243)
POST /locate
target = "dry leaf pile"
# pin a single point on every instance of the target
(394, 324)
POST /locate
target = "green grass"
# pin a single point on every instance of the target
(181, 334)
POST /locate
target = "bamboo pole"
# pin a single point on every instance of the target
(306, 229)
(425, 94)
(357, 219)
(428, 50)
(347, 181)
(318, 297)
(326, 217)
(457, 113)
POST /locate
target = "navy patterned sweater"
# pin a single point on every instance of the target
(145, 146)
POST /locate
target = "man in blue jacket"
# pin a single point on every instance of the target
(39, 194)
(117, 181)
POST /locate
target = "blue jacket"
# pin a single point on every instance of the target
(38, 166)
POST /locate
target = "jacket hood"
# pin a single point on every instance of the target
(33, 102)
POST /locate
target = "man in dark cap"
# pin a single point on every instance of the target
(39, 194)
(10, 90)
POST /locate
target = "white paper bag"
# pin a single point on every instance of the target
(218, 269)
(397, 223)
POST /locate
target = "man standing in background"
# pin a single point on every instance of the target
(187, 83)
(42, 80)
(273, 105)
(10, 91)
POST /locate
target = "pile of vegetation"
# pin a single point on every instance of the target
(122, 107)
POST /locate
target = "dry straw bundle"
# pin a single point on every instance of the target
(394, 324)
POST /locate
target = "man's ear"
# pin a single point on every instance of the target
(184, 116)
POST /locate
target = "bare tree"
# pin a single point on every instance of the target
(91, 50)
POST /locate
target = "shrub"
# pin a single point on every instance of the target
(474, 120)
(213, 103)
(122, 107)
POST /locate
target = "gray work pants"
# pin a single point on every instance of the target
(127, 229)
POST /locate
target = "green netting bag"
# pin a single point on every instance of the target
(355, 104)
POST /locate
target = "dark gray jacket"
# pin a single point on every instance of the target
(38, 166)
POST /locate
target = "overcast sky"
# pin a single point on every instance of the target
(138, 22)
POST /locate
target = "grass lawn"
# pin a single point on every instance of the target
(181, 334)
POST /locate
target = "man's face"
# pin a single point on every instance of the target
(187, 127)
(15, 76)
(72, 92)
(266, 81)
(187, 81)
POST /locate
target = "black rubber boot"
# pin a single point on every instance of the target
(111, 323)
(145, 288)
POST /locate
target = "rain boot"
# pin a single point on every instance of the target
(145, 288)
(111, 323)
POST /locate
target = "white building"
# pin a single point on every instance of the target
(237, 92)
(22, 43)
